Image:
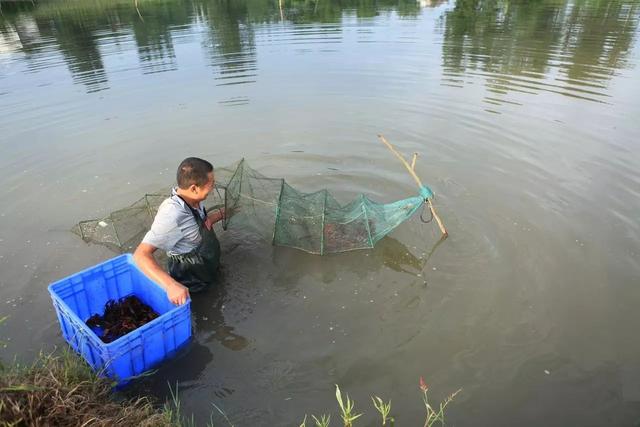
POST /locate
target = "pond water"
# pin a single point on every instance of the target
(525, 115)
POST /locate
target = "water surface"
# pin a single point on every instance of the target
(526, 118)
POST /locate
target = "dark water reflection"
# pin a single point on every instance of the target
(525, 114)
(568, 48)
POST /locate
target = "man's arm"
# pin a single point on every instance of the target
(143, 257)
(213, 217)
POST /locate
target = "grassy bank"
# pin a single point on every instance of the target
(62, 390)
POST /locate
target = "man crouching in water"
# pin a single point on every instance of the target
(184, 230)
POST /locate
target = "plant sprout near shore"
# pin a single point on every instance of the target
(348, 415)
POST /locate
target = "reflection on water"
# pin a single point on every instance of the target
(153, 38)
(567, 48)
(389, 253)
(208, 307)
(571, 48)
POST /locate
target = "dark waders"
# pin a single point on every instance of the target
(197, 269)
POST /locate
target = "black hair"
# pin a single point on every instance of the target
(193, 170)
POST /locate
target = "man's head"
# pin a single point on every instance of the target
(195, 178)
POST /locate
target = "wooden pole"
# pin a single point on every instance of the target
(404, 162)
(411, 170)
(444, 231)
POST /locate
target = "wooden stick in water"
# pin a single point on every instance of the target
(404, 162)
(413, 161)
(411, 170)
(444, 231)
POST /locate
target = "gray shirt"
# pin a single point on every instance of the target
(174, 228)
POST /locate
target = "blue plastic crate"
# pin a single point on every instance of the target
(78, 297)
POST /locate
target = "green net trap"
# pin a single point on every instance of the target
(313, 222)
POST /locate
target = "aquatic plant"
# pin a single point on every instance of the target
(433, 416)
(323, 421)
(383, 409)
(346, 407)
(173, 410)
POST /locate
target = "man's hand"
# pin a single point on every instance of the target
(143, 257)
(177, 293)
(214, 217)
